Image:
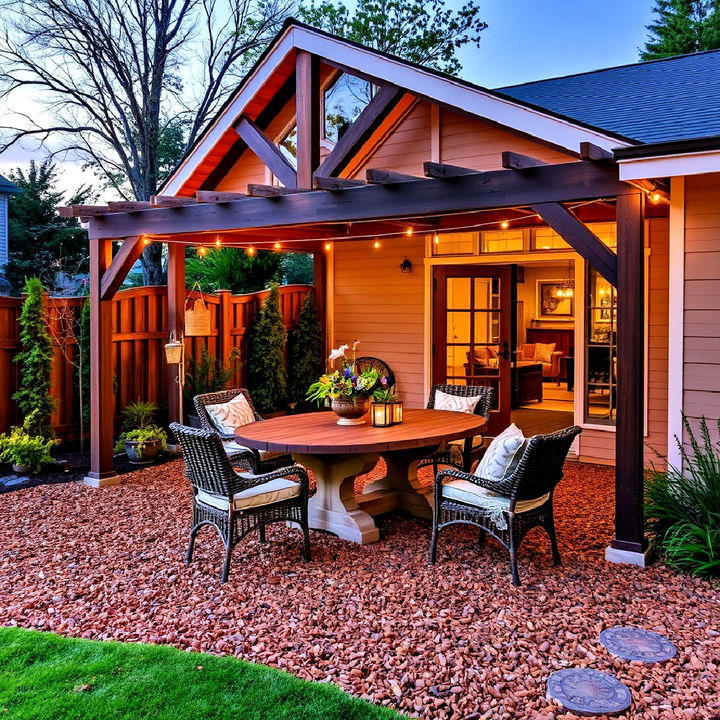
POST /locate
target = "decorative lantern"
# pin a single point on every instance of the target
(174, 352)
(385, 414)
(197, 318)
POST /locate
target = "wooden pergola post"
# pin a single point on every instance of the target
(176, 323)
(102, 402)
(629, 544)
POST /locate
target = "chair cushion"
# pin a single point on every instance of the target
(466, 492)
(502, 455)
(265, 494)
(231, 414)
(543, 352)
(455, 403)
(231, 447)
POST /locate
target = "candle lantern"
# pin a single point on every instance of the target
(385, 414)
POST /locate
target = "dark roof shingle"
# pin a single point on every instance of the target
(672, 99)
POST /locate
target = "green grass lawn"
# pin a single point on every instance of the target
(47, 677)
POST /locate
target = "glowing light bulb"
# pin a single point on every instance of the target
(409, 231)
(376, 244)
(655, 198)
(436, 239)
(217, 242)
(250, 251)
(202, 251)
(146, 240)
(504, 224)
(328, 245)
(277, 245)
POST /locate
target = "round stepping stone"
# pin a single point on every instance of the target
(631, 643)
(589, 692)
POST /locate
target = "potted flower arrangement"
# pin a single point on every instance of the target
(26, 451)
(141, 438)
(348, 390)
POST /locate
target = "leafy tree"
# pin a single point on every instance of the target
(682, 26)
(297, 268)
(41, 243)
(35, 361)
(233, 269)
(107, 74)
(422, 31)
(267, 375)
(306, 351)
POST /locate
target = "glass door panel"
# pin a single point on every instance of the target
(472, 324)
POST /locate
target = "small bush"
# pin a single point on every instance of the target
(207, 373)
(683, 506)
(305, 351)
(139, 426)
(21, 447)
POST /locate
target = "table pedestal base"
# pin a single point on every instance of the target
(335, 506)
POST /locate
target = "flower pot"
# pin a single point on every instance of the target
(350, 410)
(21, 469)
(150, 450)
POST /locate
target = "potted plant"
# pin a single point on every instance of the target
(141, 438)
(26, 451)
(348, 391)
(206, 375)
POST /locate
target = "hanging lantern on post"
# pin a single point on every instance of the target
(174, 350)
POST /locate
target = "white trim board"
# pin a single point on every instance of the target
(483, 104)
(697, 163)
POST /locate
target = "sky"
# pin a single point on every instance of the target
(525, 40)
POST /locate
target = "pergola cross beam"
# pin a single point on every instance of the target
(128, 254)
(267, 151)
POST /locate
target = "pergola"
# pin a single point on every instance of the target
(337, 209)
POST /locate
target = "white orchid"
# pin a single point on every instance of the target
(338, 353)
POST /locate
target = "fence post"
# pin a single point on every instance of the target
(224, 322)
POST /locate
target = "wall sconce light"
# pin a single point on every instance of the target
(406, 266)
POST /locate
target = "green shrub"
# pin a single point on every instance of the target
(306, 351)
(149, 434)
(35, 362)
(207, 374)
(267, 376)
(683, 507)
(21, 447)
(139, 426)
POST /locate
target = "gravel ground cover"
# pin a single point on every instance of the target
(448, 642)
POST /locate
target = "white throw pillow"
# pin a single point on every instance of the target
(230, 415)
(502, 455)
(456, 403)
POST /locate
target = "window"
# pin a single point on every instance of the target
(502, 241)
(546, 238)
(344, 100)
(453, 243)
(600, 351)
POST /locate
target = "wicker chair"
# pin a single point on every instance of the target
(461, 453)
(520, 502)
(367, 362)
(236, 503)
(256, 461)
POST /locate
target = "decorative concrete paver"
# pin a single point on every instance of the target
(588, 691)
(632, 643)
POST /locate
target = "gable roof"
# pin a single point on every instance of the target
(523, 116)
(8, 187)
(670, 99)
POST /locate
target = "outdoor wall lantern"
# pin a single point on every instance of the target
(405, 266)
(385, 414)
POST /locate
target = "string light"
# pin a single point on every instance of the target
(376, 244)
(202, 251)
(328, 245)
(505, 224)
(250, 251)
(409, 231)
(277, 245)
(655, 197)
(146, 240)
(436, 239)
(217, 241)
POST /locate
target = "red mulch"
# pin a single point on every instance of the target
(452, 641)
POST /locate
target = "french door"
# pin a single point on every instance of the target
(473, 332)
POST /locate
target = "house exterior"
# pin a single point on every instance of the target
(557, 240)
(6, 189)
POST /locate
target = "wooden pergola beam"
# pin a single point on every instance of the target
(128, 254)
(443, 170)
(594, 153)
(562, 183)
(377, 176)
(270, 191)
(335, 184)
(81, 211)
(128, 205)
(516, 161)
(580, 238)
(172, 201)
(267, 151)
(364, 125)
(215, 196)
(307, 117)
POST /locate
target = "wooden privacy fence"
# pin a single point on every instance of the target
(139, 334)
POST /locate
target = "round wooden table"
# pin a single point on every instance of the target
(337, 454)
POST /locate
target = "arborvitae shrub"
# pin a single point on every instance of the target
(305, 351)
